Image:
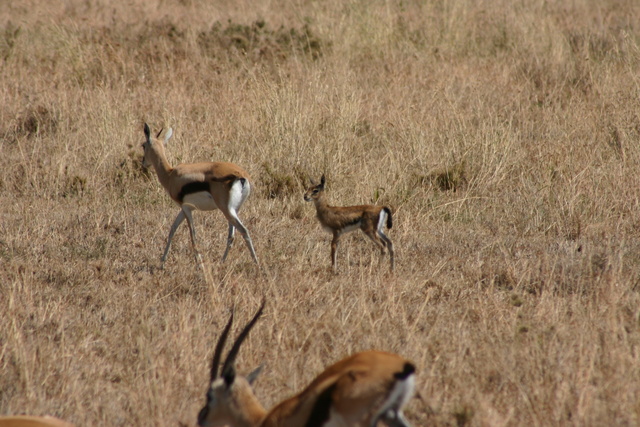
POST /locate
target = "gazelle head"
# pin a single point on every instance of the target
(151, 146)
(230, 399)
(315, 190)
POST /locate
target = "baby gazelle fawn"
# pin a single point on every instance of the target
(200, 186)
(358, 391)
(340, 220)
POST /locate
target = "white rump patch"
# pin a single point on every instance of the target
(238, 194)
(381, 220)
(400, 395)
(202, 200)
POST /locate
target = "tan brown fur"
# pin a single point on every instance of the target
(359, 390)
(340, 220)
(184, 180)
(227, 411)
(361, 382)
(30, 421)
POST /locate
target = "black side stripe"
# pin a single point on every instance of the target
(407, 371)
(356, 221)
(321, 410)
(192, 187)
(198, 186)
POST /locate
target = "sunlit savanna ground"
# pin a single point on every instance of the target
(504, 135)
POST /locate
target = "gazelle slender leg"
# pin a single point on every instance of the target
(389, 247)
(174, 227)
(382, 219)
(238, 193)
(235, 222)
(393, 418)
(334, 251)
(230, 238)
(187, 212)
(382, 242)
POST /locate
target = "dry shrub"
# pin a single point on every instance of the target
(8, 40)
(258, 42)
(36, 121)
(500, 278)
(277, 185)
(131, 168)
(450, 178)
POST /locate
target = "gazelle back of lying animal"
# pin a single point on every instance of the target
(31, 421)
(358, 391)
(340, 220)
(205, 186)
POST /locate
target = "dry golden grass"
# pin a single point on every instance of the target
(504, 134)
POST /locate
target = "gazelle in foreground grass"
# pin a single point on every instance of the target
(358, 391)
(205, 186)
(29, 421)
(340, 220)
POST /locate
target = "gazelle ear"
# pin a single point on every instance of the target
(312, 182)
(322, 181)
(147, 131)
(254, 374)
(168, 135)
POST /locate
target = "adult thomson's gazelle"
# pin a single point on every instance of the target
(205, 186)
(340, 220)
(358, 391)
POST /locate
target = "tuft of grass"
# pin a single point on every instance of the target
(516, 300)
(258, 41)
(36, 121)
(131, 168)
(74, 186)
(501, 278)
(463, 415)
(449, 178)
(277, 185)
(8, 40)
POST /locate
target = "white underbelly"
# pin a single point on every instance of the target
(347, 229)
(201, 200)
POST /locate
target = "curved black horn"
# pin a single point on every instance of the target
(219, 346)
(158, 135)
(228, 370)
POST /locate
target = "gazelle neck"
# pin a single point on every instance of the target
(161, 165)
(252, 414)
(321, 204)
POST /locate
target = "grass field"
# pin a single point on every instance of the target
(504, 135)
